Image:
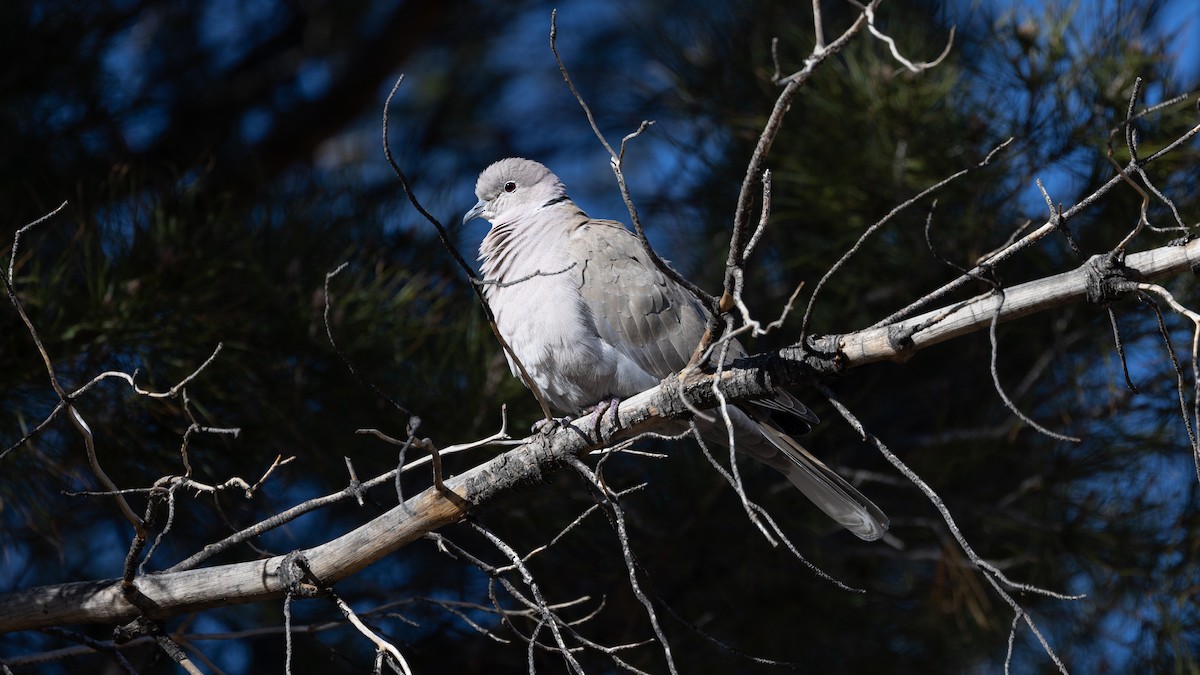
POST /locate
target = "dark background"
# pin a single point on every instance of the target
(218, 159)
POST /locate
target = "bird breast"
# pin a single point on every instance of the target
(532, 288)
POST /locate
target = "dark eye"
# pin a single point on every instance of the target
(510, 186)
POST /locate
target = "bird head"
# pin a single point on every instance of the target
(512, 186)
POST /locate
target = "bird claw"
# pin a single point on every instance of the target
(605, 408)
(545, 426)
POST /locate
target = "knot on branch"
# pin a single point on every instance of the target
(820, 355)
(1184, 241)
(135, 629)
(293, 572)
(1108, 279)
(900, 336)
(355, 489)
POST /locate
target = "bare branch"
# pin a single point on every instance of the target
(92, 645)
(547, 617)
(9, 285)
(818, 29)
(381, 646)
(998, 580)
(869, 11)
(1008, 403)
(462, 263)
(899, 340)
(615, 162)
(188, 590)
(1191, 421)
(757, 514)
(879, 224)
(755, 169)
(89, 443)
(65, 399)
(618, 519)
(327, 301)
(1038, 234)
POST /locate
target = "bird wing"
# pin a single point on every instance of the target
(652, 320)
(638, 310)
(643, 313)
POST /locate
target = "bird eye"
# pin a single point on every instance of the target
(510, 186)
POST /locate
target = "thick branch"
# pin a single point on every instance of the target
(900, 340)
(171, 594)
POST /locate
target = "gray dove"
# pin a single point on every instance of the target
(592, 319)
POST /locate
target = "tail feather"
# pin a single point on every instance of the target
(758, 435)
(829, 491)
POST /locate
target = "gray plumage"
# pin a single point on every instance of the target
(591, 318)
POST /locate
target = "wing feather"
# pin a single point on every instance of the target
(656, 323)
(637, 309)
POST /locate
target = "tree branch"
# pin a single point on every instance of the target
(900, 340)
(169, 594)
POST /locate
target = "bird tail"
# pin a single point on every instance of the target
(829, 491)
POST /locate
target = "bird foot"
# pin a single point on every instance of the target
(545, 426)
(608, 407)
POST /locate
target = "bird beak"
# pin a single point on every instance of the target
(476, 211)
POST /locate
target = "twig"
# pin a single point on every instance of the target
(328, 304)
(912, 67)
(462, 263)
(170, 648)
(1038, 234)
(618, 520)
(12, 260)
(754, 512)
(546, 615)
(320, 502)
(196, 428)
(757, 165)
(574, 523)
(170, 493)
(1012, 634)
(1008, 403)
(89, 443)
(64, 399)
(1191, 421)
(355, 485)
(615, 162)
(131, 380)
(382, 646)
(993, 574)
(879, 224)
(106, 648)
(818, 28)
(1131, 146)
(280, 460)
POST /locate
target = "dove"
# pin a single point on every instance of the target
(592, 319)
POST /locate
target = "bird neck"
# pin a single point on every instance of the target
(533, 243)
